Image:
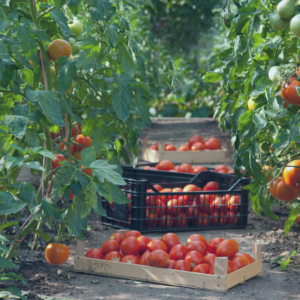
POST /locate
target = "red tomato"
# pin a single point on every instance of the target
(157, 245)
(63, 146)
(170, 148)
(213, 144)
(194, 258)
(71, 197)
(130, 259)
(152, 220)
(160, 208)
(186, 144)
(110, 245)
(291, 175)
(130, 246)
(281, 191)
(231, 172)
(211, 186)
(248, 256)
(233, 203)
(164, 198)
(171, 264)
(221, 167)
(289, 92)
(197, 238)
(132, 233)
(176, 169)
(77, 155)
(231, 218)
(218, 218)
(202, 268)
(197, 246)
(209, 259)
(154, 147)
(88, 172)
(121, 253)
(240, 261)
(203, 204)
(170, 240)
(178, 252)
(56, 162)
(170, 221)
(159, 259)
(213, 244)
(144, 258)
(190, 188)
(185, 168)
(192, 214)
(198, 147)
(198, 169)
(174, 208)
(113, 256)
(74, 131)
(183, 148)
(138, 256)
(117, 237)
(220, 203)
(228, 248)
(181, 220)
(231, 267)
(157, 187)
(94, 253)
(176, 190)
(144, 241)
(165, 165)
(195, 139)
(212, 270)
(82, 140)
(203, 220)
(182, 265)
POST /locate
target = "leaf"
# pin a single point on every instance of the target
(291, 218)
(212, 77)
(3, 238)
(47, 207)
(35, 165)
(28, 43)
(259, 118)
(74, 6)
(9, 204)
(261, 86)
(67, 73)
(122, 96)
(105, 171)
(113, 36)
(90, 200)
(26, 192)
(112, 193)
(100, 210)
(47, 153)
(16, 125)
(8, 224)
(127, 63)
(16, 291)
(61, 20)
(3, 248)
(256, 169)
(88, 156)
(61, 214)
(43, 235)
(5, 263)
(88, 53)
(283, 265)
(31, 138)
(14, 275)
(99, 9)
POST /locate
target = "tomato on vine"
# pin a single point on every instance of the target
(291, 175)
(59, 48)
(82, 140)
(88, 172)
(289, 92)
(56, 162)
(76, 28)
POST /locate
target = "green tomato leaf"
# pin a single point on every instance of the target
(16, 125)
(91, 199)
(291, 218)
(28, 43)
(212, 77)
(62, 21)
(47, 207)
(112, 193)
(34, 165)
(47, 153)
(88, 156)
(43, 235)
(5, 263)
(31, 138)
(99, 9)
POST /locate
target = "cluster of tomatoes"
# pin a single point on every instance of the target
(197, 255)
(195, 143)
(166, 165)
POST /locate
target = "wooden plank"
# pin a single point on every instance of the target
(221, 265)
(80, 248)
(256, 251)
(241, 275)
(150, 274)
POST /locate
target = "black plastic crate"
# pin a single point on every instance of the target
(197, 214)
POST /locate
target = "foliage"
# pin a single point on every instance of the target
(269, 134)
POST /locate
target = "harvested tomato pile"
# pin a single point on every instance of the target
(195, 143)
(166, 165)
(197, 255)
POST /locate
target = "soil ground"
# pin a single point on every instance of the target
(61, 282)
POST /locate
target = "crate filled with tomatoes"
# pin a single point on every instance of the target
(208, 200)
(195, 150)
(215, 265)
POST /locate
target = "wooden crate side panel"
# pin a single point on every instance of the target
(150, 274)
(241, 275)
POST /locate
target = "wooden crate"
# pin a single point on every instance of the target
(191, 157)
(220, 282)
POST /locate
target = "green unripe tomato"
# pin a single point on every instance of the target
(295, 25)
(72, 41)
(286, 9)
(75, 49)
(76, 28)
(53, 73)
(274, 74)
(278, 23)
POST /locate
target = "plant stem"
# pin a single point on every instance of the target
(46, 12)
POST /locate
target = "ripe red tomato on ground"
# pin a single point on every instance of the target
(194, 258)
(57, 254)
(117, 237)
(202, 268)
(159, 259)
(165, 165)
(132, 233)
(144, 241)
(82, 140)
(198, 169)
(157, 245)
(56, 162)
(130, 245)
(221, 167)
(170, 240)
(186, 168)
(113, 256)
(289, 92)
(197, 246)
(197, 238)
(110, 245)
(240, 261)
(178, 252)
(94, 253)
(213, 244)
(170, 221)
(171, 264)
(198, 147)
(209, 259)
(248, 256)
(170, 148)
(227, 248)
(281, 191)
(211, 186)
(195, 139)
(130, 259)
(182, 265)
(144, 258)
